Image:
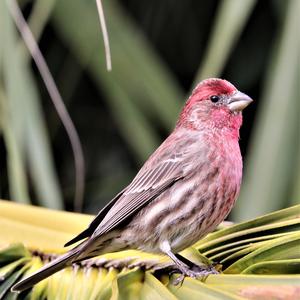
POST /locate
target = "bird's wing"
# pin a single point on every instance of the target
(153, 178)
(144, 188)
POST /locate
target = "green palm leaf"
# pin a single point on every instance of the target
(258, 256)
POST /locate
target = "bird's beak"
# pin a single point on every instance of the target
(238, 101)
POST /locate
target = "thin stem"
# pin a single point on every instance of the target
(56, 98)
(104, 34)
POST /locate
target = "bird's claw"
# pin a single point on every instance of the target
(194, 272)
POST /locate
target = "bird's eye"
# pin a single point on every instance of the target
(214, 98)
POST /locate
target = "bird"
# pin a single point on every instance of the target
(185, 189)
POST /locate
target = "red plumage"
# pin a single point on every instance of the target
(184, 190)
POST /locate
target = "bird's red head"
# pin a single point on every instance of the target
(209, 87)
(216, 104)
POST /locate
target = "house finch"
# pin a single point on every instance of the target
(183, 191)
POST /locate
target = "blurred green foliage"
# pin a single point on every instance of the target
(159, 51)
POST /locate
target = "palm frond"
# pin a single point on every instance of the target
(257, 257)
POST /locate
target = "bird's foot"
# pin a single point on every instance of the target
(194, 271)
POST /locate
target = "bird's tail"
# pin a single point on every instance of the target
(46, 271)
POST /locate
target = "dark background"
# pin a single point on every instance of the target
(178, 33)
